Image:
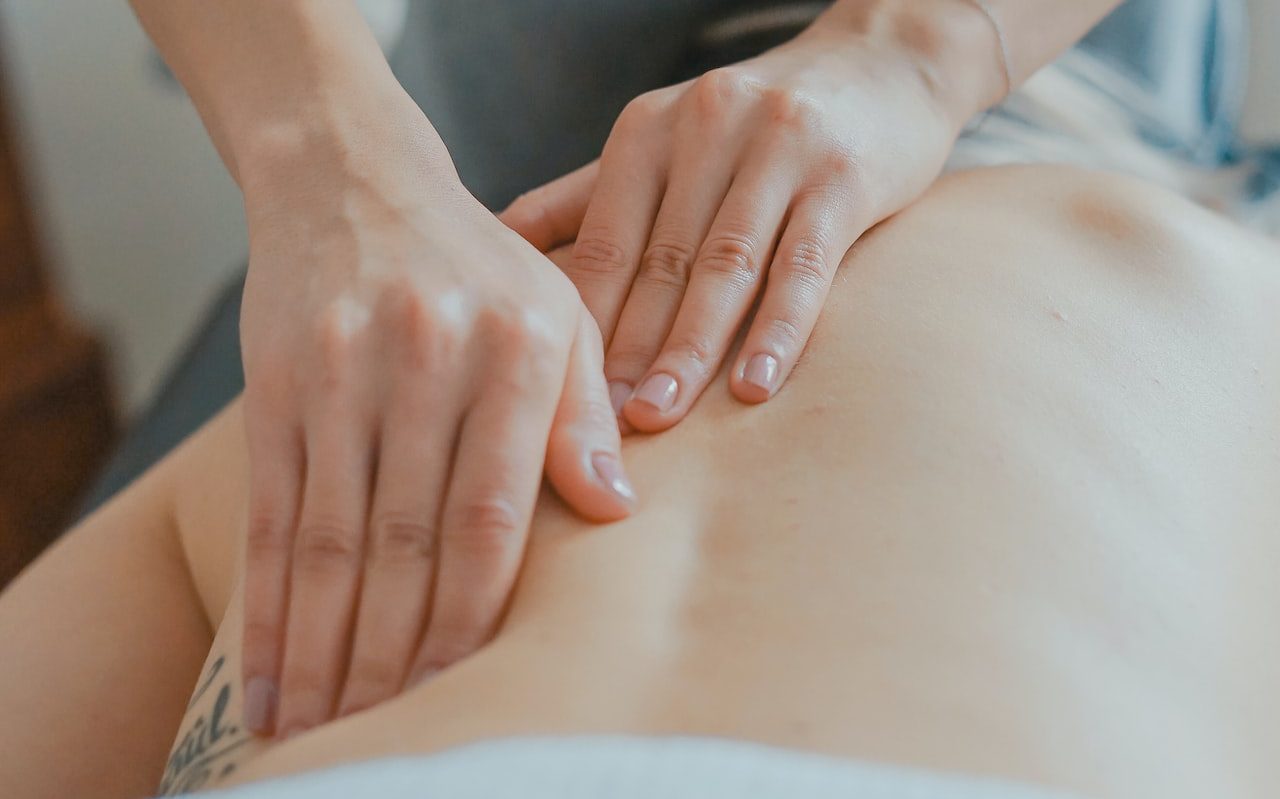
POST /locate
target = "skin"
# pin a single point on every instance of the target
(749, 184)
(1015, 515)
(413, 367)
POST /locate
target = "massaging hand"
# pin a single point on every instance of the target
(748, 183)
(409, 362)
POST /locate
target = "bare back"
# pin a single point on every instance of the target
(1015, 514)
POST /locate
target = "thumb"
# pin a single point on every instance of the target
(584, 452)
(551, 214)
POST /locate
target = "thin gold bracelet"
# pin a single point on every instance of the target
(1005, 59)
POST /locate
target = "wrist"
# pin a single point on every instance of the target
(312, 94)
(951, 46)
(329, 140)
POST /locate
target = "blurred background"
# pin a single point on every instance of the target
(120, 229)
(138, 222)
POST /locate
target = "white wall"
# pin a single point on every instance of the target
(138, 218)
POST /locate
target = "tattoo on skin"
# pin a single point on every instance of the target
(205, 751)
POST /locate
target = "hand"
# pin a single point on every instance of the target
(409, 362)
(751, 180)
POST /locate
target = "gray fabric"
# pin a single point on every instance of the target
(523, 92)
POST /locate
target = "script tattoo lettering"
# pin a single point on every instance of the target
(202, 752)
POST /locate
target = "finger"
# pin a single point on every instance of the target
(417, 446)
(725, 279)
(700, 178)
(818, 235)
(492, 490)
(584, 461)
(618, 219)
(327, 560)
(275, 488)
(551, 214)
(560, 256)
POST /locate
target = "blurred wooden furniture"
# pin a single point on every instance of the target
(57, 420)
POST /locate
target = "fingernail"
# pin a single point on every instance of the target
(260, 697)
(609, 471)
(761, 371)
(659, 391)
(619, 393)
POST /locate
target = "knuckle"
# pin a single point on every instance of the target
(696, 350)
(445, 328)
(597, 417)
(427, 328)
(502, 322)
(732, 256)
(267, 537)
(537, 331)
(643, 107)
(636, 117)
(785, 333)
(840, 168)
(411, 315)
(806, 263)
(720, 89)
(667, 263)
(791, 108)
(325, 545)
(335, 335)
(521, 328)
(596, 256)
(412, 327)
(399, 539)
(486, 529)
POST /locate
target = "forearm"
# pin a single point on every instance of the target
(274, 77)
(957, 48)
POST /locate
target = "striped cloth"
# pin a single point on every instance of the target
(1154, 91)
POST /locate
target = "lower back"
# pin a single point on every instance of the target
(1010, 516)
